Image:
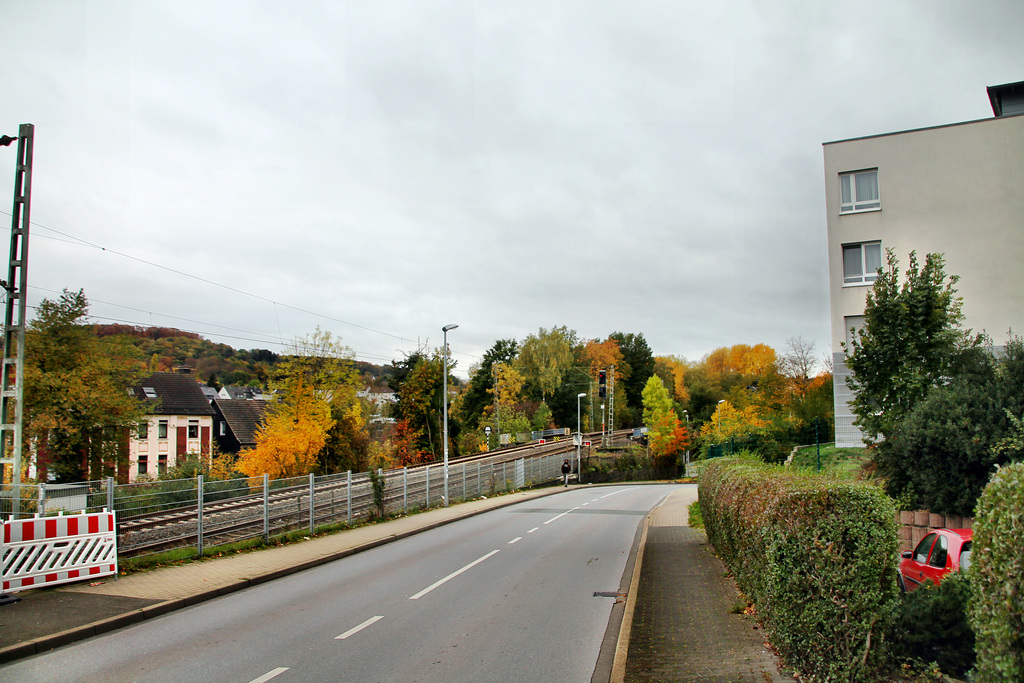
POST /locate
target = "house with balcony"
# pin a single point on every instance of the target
(178, 423)
(955, 189)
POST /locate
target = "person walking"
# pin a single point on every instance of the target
(566, 469)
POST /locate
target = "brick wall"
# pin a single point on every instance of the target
(915, 524)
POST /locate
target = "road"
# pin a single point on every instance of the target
(507, 595)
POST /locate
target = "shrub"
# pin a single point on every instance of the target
(817, 556)
(933, 626)
(997, 577)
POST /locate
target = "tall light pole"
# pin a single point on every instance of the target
(445, 330)
(579, 440)
(718, 410)
(686, 466)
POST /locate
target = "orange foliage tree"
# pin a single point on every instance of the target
(290, 438)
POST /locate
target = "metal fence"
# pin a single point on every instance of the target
(161, 516)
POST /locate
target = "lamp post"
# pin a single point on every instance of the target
(445, 330)
(718, 410)
(686, 465)
(579, 440)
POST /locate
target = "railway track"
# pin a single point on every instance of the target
(233, 514)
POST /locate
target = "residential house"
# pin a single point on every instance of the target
(178, 422)
(955, 189)
(236, 423)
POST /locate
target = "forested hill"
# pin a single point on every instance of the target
(164, 348)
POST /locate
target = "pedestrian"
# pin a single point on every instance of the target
(566, 469)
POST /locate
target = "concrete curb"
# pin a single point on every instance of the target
(49, 642)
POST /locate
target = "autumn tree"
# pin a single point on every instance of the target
(76, 407)
(419, 383)
(545, 357)
(323, 366)
(292, 435)
(666, 435)
(478, 396)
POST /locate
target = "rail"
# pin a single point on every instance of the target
(159, 516)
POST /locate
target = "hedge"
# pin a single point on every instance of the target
(997, 578)
(815, 555)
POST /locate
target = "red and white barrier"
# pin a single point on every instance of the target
(46, 551)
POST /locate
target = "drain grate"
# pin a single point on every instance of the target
(608, 594)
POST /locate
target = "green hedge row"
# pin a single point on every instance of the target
(997, 578)
(816, 556)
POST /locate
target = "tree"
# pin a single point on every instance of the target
(291, 437)
(666, 435)
(909, 341)
(942, 454)
(322, 366)
(76, 407)
(478, 396)
(545, 358)
(639, 362)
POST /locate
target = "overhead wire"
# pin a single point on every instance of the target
(72, 239)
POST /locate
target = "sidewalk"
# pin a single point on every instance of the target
(676, 624)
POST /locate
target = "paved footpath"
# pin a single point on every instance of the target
(676, 620)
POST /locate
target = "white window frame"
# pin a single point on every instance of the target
(867, 276)
(850, 200)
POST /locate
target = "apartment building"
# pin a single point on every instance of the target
(955, 189)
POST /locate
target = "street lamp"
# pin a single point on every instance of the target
(718, 410)
(686, 467)
(579, 440)
(445, 330)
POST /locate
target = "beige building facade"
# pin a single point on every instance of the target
(957, 190)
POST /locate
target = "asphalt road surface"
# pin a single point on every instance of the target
(507, 595)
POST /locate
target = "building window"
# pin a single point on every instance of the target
(161, 464)
(223, 428)
(859, 192)
(193, 429)
(162, 430)
(143, 433)
(861, 262)
(143, 464)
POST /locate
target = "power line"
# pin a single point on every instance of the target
(79, 240)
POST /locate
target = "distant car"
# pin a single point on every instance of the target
(939, 553)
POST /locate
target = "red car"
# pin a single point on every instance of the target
(940, 552)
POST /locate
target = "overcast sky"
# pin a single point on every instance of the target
(251, 170)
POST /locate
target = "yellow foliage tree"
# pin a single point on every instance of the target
(728, 422)
(292, 435)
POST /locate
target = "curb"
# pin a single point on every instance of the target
(49, 642)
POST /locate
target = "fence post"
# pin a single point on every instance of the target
(348, 519)
(312, 505)
(428, 488)
(266, 508)
(405, 489)
(504, 481)
(463, 482)
(199, 512)
(110, 495)
(479, 484)
(41, 504)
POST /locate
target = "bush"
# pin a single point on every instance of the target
(817, 556)
(933, 626)
(997, 577)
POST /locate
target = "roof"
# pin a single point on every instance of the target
(243, 417)
(172, 393)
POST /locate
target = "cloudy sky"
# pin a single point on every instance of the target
(251, 170)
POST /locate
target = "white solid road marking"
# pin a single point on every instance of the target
(515, 540)
(270, 674)
(452, 575)
(356, 629)
(561, 515)
(533, 529)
